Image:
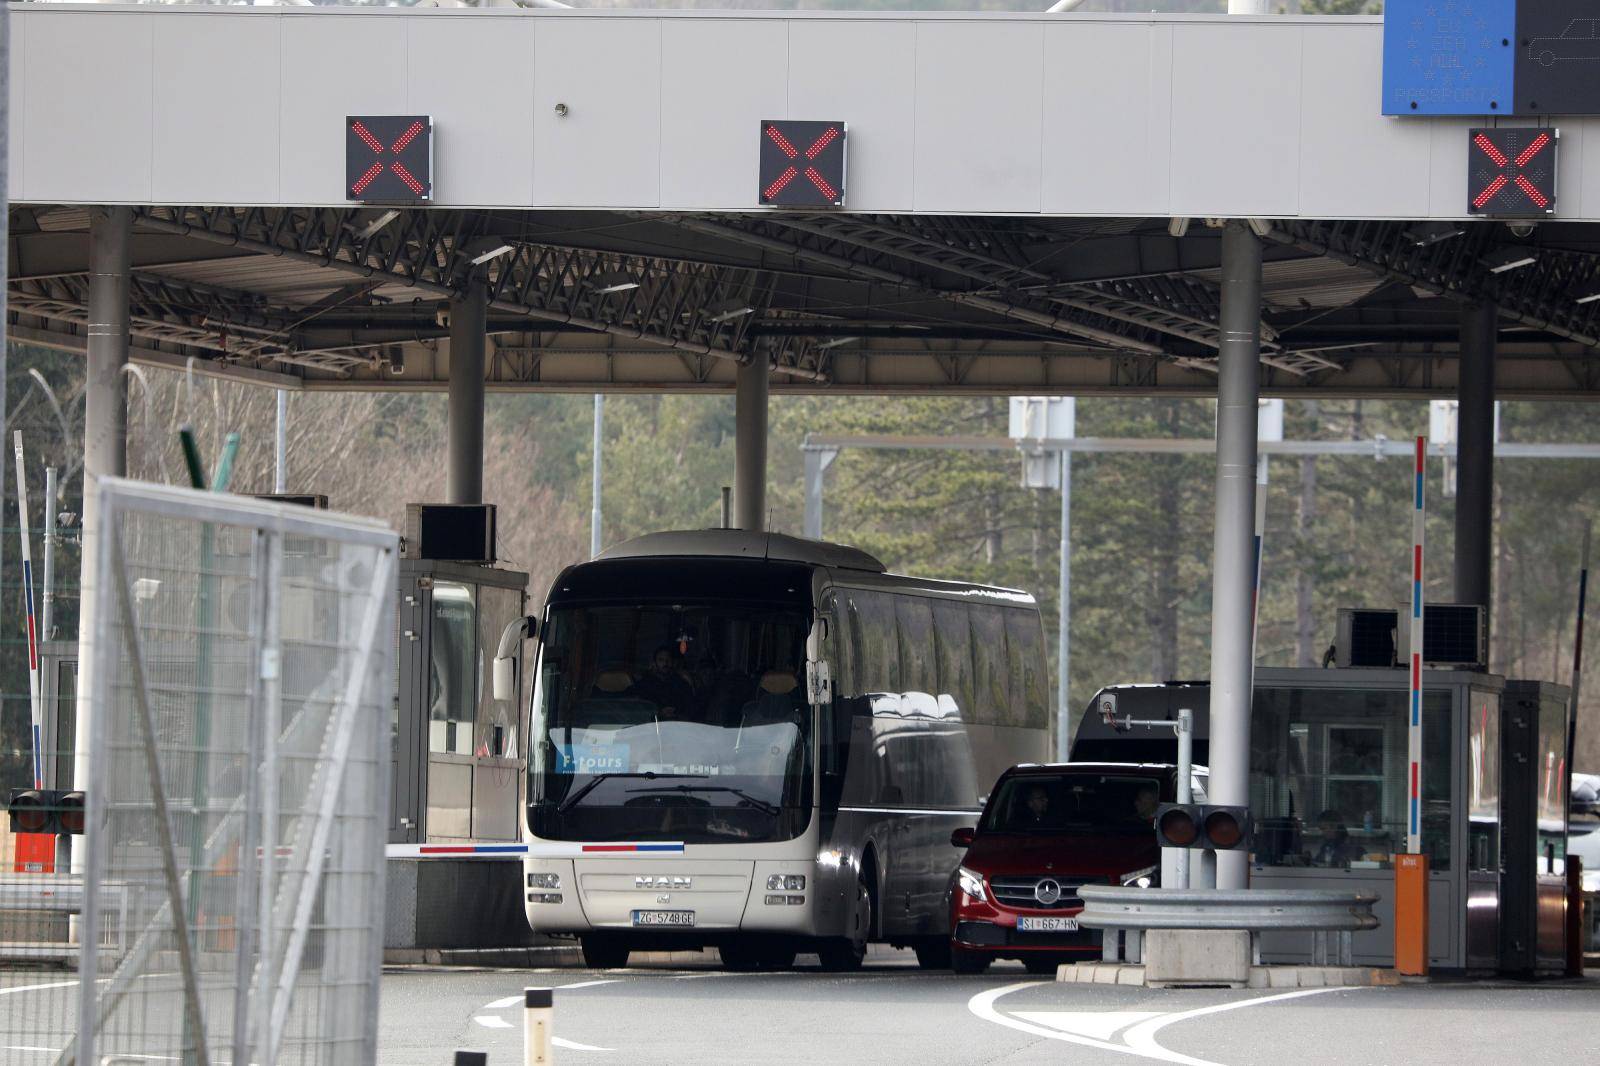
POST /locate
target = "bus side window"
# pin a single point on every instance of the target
(992, 702)
(1025, 644)
(953, 642)
(918, 672)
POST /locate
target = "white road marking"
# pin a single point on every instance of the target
(1100, 1024)
(36, 988)
(1140, 1038)
(573, 1045)
(491, 1021)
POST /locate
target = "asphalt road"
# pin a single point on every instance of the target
(682, 1010)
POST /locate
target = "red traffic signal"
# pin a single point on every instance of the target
(1203, 825)
(43, 810)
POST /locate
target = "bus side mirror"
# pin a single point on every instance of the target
(819, 682)
(963, 837)
(508, 656)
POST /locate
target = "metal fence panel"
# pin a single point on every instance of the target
(241, 680)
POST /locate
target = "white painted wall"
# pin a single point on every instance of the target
(1070, 114)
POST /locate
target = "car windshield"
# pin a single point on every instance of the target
(671, 722)
(1073, 803)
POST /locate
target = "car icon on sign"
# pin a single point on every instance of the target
(1580, 40)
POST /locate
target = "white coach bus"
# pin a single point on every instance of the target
(762, 743)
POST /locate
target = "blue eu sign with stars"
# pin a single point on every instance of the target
(1449, 57)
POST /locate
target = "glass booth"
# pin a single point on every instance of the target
(1328, 793)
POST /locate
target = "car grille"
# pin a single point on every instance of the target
(1020, 892)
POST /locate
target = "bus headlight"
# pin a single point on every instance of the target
(786, 883)
(544, 881)
(971, 882)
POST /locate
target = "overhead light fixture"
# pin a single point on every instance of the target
(734, 312)
(1261, 227)
(1509, 259)
(371, 229)
(1590, 296)
(493, 253)
(613, 281)
(1427, 233)
(837, 341)
(1177, 227)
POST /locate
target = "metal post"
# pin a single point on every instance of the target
(1238, 387)
(5, 236)
(105, 439)
(727, 508)
(1185, 788)
(464, 459)
(817, 461)
(1475, 456)
(594, 507)
(280, 465)
(1247, 7)
(47, 612)
(750, 445)
(1064, 619)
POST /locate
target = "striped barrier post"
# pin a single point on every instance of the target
(552, 850)
(538, 1014)
(1418, 514)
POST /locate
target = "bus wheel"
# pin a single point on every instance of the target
(968, 961)
(604, 953)
(934, 953)
(843, 953)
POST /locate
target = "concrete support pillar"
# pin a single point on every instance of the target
(105, 435)
(1233, 565)
(750, 446)
(1475, 456)
(469, 314)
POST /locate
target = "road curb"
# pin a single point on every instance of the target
(1282, 977)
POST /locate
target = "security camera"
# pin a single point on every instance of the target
(1522, 229)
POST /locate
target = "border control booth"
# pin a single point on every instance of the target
(1328, 796)
(458, 779)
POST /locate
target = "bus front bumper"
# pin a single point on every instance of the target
(667, 896)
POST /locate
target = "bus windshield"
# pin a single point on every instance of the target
(683, 721)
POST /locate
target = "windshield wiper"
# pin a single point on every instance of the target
(755, 801)
(593, 782)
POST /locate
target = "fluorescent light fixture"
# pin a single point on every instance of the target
(1177, 227)
(493, 253)
(1590, 296)
(735, 312)
(1427, 233)
(1509, 259)
(837, 341)
(1261, 227)
(377, 224)
(613, 281)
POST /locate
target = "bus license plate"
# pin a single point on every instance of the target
(1046, 925)
(663, 917)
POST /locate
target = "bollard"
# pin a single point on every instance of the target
(1411, 915)
(537, 1017)
(471, 1058)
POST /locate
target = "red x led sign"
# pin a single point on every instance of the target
(388, 158)
(802, 164)
(1511, 173)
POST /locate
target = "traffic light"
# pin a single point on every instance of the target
(1203, 825)
(44, 810)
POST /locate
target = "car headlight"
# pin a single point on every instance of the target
(971, 882)
(1143, 878)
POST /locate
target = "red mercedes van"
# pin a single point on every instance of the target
(1045, 831)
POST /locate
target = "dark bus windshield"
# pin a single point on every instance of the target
(1073, 803)
(671, 722)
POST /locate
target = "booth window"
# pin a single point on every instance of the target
(1554, 785)
(452, 673)
(495, 735)
(1328, 777)
(1483, 781)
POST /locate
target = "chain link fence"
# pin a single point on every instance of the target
(226, 902)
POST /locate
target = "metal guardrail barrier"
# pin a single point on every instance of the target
(1133, 911)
